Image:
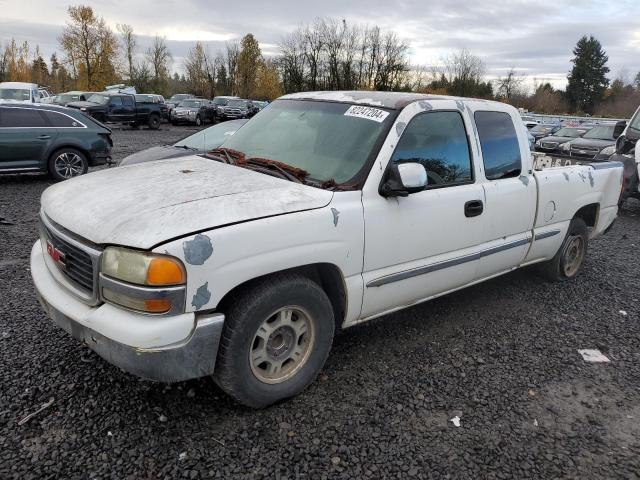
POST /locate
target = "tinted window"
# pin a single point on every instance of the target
(21, 117)
(128, 101)
(438, 141)
(116, 101)
(60, 120)
(499, 143)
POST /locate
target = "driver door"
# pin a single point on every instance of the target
(427, 243)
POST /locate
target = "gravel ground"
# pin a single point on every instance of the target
(501, 355)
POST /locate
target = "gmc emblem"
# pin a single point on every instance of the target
(56, 255)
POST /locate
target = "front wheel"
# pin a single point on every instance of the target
(67, 163)
(569, 260)
(154, 122)
(276, 338)
(198, 121)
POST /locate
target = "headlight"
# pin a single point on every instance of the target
(142, 281)
(538, 142)
(83, 109)
(610, 150)
(566, 146)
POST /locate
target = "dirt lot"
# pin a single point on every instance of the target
(501, 355)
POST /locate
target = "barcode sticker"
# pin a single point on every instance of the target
(369, 113)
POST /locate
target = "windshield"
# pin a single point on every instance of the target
(178, 97)
(540, 129)
(97, 98)
(211, 137)
(237, 103)
(190, 103)
(15, 94)
(601, 132)
(570, 132)
(220, 101)
(66, 98)
(331, 141)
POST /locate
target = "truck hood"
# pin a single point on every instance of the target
(156, 153)
(592, 142)
(147, 204)
(83, 104)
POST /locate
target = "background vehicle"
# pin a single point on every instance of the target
(63, 99)
(179, 286)
(628, 153)
(222, 101)
(544, 130)
(176, 99)
(154, 98)
(558, 142)
(48, 138)
(121, 108)
(529, 121)
(200, 142)
(45, 95)
(598, 143)
(194, 110)
(19, 92)
(237, 108)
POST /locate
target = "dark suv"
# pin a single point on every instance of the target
(47, 138)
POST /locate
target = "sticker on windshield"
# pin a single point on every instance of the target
(369, 113)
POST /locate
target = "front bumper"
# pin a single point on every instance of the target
(119, 336)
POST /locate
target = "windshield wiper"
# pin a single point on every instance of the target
(225, 155)
(285, 170)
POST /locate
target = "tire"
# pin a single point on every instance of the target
(569, 260)
(198, 121)
(154, 122)
(67, 163)
(174, 123)
(284, 320)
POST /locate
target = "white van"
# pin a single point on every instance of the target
(19, 92)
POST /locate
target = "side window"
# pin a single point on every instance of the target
(116, 101)
(499, 143)
(22, 117)
(127, 101)
(62, 121)
(438, 141)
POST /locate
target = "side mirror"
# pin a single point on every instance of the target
(618, 129)
(403, 179)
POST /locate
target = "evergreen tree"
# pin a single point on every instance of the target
(588, 78)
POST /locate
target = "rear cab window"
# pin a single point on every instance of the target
(499, 144)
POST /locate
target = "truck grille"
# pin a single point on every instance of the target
(78, 263)
(549, 145)
(586, 152)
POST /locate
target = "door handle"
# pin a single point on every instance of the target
(44, 137)
(473, 208)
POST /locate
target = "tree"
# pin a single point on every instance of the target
(90, 48)
(509, 85)
(195, 65)
(636, 81)
(231, 59)
(268, 82)
(249, 61)
(39, 69)
(129, 45)
(588, 78)
(159, 59)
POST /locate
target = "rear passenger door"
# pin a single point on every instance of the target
(25, 138)
(128, 108)
(510, 192)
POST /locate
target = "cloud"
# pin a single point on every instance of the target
(534, 36)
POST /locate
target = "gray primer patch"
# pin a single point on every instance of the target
(591, 181)
(582, 176)
(524, 179)
(460, 105)
(202, 296)
(423, 104)
(198, 250)
(400, 126)
(566, 176)
(336, 214)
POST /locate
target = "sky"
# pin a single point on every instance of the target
(536, 37)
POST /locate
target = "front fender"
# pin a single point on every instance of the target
(219, 260)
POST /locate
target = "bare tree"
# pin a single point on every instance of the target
(129, 45)
(510, 85)
(232, 51)
(159, 58)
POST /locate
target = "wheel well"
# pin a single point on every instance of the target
(326, 275)
(589, 213)
(82, 150)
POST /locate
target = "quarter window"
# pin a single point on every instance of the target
(128, 101)
(438, 141)
(117, 101)
(500, 146)
(21, 118)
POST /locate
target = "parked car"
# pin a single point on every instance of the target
(63, 99)
(19, 92)
(200, 142)
(598, 143)
(117, 107)
(48, 138)
(176, 99)
(45, 95)
(243, 267)
(237, 108)
(154, 98)
(529, 121)
(558, 143)
(544, 130)
(628, 153)
(222, 101)
(194, 110)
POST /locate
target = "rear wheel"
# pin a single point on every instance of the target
(276, 338)
(67, 163)
(198, 120)
(569, 260)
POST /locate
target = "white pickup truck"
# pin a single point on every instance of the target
(325, 210)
